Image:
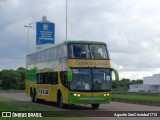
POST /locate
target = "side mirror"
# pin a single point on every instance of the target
(69, 74)
(116, 74)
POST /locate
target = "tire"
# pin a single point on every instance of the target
(59, 102)
(32, 97)
(37, 100)
(95, 106)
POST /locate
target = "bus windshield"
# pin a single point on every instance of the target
(88, 51)
(91, 80)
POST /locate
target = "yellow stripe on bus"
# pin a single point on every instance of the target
(89, 63)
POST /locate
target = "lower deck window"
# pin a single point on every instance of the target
(47, 78)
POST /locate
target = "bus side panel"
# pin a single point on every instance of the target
(65, 95)
(47, 92)
(30, 78)
(64, 90)
(27, 88)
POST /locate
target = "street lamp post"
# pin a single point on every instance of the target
(66, 18)
(28, 26)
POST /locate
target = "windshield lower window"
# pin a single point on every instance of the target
(91, 80)
(101, 79)
(81, 79)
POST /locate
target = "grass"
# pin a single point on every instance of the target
(14, 91)
(142, 99)
(7, 104)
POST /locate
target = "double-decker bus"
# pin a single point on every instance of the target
(73, 72)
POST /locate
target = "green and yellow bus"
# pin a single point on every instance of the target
(73, 72)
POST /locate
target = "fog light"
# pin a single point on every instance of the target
(78, 95)
(108, 94)
(105, 95)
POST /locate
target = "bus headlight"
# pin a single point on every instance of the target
(106, 94)
(75, 94)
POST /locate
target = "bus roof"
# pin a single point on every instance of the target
(68, 42)
(84, 41)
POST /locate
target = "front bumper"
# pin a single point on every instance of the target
(89, 98)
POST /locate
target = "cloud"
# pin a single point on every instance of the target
(130, 28)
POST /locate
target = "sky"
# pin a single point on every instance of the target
(130, 28)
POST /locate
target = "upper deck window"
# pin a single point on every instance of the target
(80, 51)
(87, 51)
(98, 52)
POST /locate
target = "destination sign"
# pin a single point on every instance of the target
(89, 63)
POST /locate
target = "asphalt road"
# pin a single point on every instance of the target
(114, 106)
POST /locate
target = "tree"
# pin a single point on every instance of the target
(21, 81)
(138, 81)
(123, 85)
(21, 71)
(9, 79)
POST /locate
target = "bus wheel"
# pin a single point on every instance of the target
(59, 102)
(37, 100)
(33, 97)
(95, 106)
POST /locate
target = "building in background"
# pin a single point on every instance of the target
(150, 84)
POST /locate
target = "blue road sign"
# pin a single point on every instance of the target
(45, 33)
